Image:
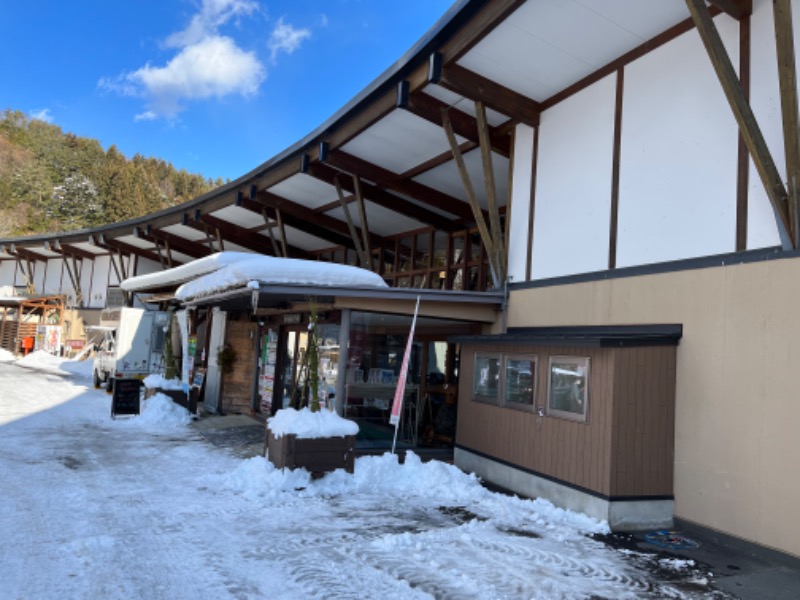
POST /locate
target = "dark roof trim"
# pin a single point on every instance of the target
(593, 336)
(303, 292)
(704, 262)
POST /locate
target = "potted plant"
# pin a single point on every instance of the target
(308, 435)
(226, 358)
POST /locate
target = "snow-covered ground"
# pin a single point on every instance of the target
(144, 507)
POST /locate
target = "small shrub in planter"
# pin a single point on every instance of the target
(319, 442)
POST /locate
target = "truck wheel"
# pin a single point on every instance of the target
(96, 379)
(109, 383)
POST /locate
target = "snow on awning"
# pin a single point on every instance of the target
(183, 273)
(254, 270)
(230, 270)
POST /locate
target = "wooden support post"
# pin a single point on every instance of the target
(787, 75)
(362, 257)
(491, 188)
(275, 248)
(209, 239)
(362, 213)
(282, 231)
(748, 126)
(75, 279)
(473, 200)
(161, 256)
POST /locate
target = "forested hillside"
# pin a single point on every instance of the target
(54, 181)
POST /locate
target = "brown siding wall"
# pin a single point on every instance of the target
(644, 421)
(623, 448)
(577, 452)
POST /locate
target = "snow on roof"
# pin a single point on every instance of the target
(252, 270)
(228, 270)
(183, 273)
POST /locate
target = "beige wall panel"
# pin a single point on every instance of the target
(737, 407)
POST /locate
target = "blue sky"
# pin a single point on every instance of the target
(212, 86)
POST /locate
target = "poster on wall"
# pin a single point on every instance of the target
(266, 378)
(48, 338)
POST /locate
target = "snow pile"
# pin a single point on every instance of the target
(44, 361)
(385, 475)
(159, 412)
(420, 483)
(280, 271)
(6, 356)
(257, 479)
(306, 424)
(154, 381)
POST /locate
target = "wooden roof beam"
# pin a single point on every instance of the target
(738, 9)
(250, 239)
(70, 250)
(386, 199)
(476, 87)
(27, 253)
(175, 242)
(115, 244)
(303, 218)
(430, 108)
(389, 180)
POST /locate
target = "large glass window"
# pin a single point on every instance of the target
(568, 393)
(486, 379)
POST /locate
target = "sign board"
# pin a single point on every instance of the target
(199, 376)
(125, 400)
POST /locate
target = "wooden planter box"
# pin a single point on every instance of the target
(316, 455)
(178, 397)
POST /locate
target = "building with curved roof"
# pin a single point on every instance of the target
(614, 180)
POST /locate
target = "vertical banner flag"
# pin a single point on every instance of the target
(397, 405)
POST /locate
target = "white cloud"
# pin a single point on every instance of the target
(213, 67)
(213, 14)
(147, 115)
(42, 114)
(207, 65)
(286, 38)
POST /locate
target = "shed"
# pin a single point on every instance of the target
(584, 416)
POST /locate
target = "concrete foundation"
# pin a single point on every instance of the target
(621, 515)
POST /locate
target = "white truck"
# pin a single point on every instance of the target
(132, 346)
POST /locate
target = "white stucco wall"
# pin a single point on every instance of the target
(573, 184)
(39, 272)
(678, 161)
(86, 267)
(520, 202)
(145, 266)
(53, 276)
(8, 270)
(100, 278)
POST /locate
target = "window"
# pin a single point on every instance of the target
(520, 383)
(486, 379)
(505, 380)
(568, 391)
(115, 297)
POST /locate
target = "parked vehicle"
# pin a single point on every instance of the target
(132, 347)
